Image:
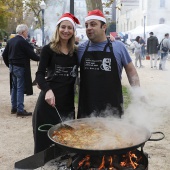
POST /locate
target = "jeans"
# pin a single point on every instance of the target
(17, 93)
(142, 52)
(138, 57)
(163, 61)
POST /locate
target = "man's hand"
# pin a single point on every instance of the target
(112, 38)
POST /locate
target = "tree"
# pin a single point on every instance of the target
(14, 12)
(95, 4)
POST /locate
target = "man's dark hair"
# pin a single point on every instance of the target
(167, 34)
(102, 23)
(151, 33)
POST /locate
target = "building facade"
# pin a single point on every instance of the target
(135, 13)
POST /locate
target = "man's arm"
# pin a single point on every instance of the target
(132, 75)
(147, 46)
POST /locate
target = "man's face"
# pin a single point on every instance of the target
(25, 34)
(95, 32)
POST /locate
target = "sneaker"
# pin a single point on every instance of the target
(13, 111)
(24, 113)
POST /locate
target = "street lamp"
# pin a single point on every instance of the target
(127, 18)
(72, 7)
(42, 6)
(144, 23)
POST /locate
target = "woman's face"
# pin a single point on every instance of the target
(66, 30)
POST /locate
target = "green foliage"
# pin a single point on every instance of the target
(2, 34)
(76, 95)
(108, 3)
(126, 97)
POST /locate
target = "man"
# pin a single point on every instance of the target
(152, 43)
(165, 44)
(101, 64)
(16, 56)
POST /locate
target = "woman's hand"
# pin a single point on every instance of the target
(50, 98)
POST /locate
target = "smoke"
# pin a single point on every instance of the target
(150, 104)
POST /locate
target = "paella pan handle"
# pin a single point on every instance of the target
(45, 127)
(162, 136)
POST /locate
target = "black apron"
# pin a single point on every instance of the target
(100, 84)
(63, 89)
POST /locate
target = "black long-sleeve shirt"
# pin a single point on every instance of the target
(18, 51)
(61, 70)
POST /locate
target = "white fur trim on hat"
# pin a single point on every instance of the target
(68, 19)
(95, 17)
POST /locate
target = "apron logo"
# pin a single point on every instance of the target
(106, 64)
(65, 71)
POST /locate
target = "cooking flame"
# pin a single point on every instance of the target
(85, 160)
(129, 160)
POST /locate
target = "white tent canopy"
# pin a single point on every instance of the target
(159, 30)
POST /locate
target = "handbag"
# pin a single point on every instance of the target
(164, 49)
(147, 57)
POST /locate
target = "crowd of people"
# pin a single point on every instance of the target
(153, 50)
(100, 60)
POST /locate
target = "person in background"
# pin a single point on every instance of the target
(101, 64)
(16, 56)
(59, 58)
(164, 54)
(137, 51)
(152, 43)
(142, 42)
(33, 40)
(5, 39)
(77, 39)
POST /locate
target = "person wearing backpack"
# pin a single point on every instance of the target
(164, 49)
(152, 43)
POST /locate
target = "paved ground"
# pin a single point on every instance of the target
(16, 133)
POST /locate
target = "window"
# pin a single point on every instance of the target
(142, 22)
(162, 3)
(134, 24)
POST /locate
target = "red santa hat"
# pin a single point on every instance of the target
(69, 17)
(95, 14)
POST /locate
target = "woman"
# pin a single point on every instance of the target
(137, 51)
(60, 60)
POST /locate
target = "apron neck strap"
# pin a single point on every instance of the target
(109, 44)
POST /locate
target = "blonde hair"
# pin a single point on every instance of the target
(55, 44)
